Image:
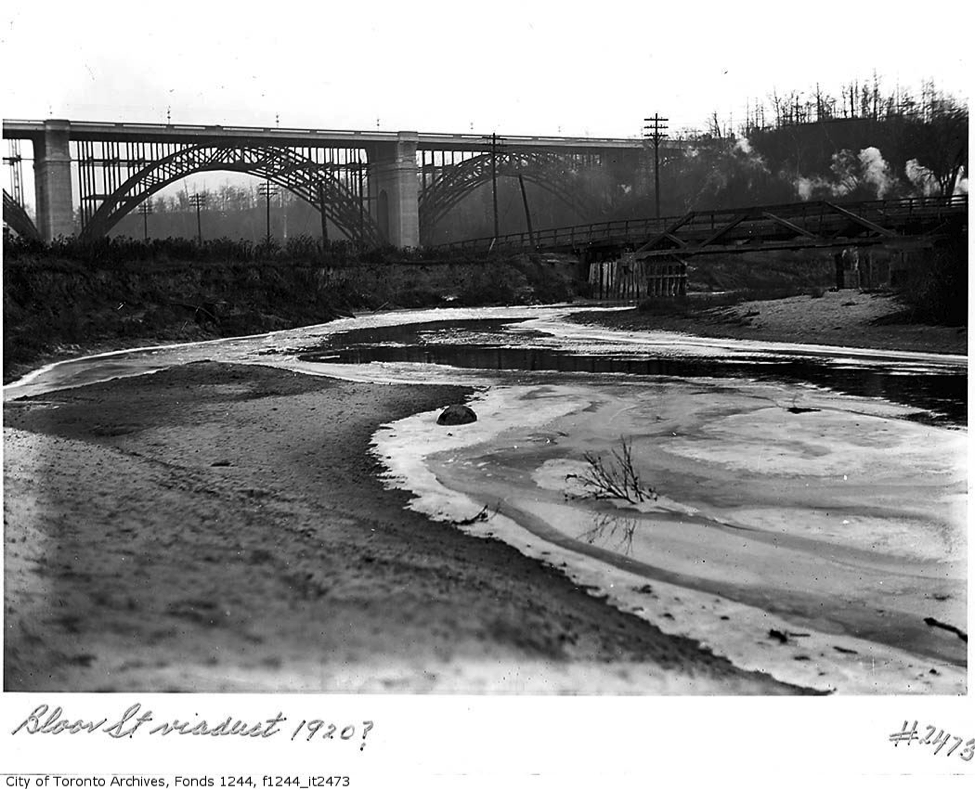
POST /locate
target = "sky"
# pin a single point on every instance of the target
(540, 68)
(536, 68)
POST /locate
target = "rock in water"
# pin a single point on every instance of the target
(456, 415)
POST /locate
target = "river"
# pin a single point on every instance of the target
(801, 509)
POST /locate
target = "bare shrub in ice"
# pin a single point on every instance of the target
(613, 478)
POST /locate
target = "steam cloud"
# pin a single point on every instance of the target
(875, 171)
(921, 178)
(744, 146)
(864, 171)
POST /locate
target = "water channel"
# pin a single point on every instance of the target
(804, 508)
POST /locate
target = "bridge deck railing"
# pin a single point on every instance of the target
(815, 216)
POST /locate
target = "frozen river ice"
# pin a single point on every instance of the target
(807, 523)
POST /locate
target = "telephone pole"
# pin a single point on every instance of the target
(494, 181)
(656, 126)
(198, 199)
(267, 192)
(321, 203)
(145, 209)
(528, 214)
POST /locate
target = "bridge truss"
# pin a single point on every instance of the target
(814, 224)
(793, 226)
(448, 177)
(115, 177)
(15, 217)
(376, 187)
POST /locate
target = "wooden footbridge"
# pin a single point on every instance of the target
(791, 226)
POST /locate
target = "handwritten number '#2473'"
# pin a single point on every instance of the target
(908, 735)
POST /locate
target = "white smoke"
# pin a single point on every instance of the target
(845, 167)
(750, 157)
(921, 178)
(875, 171)
(961, 186)
(807, 187)
(744, 146)
(850, 172)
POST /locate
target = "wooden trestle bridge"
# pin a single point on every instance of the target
(792, 226)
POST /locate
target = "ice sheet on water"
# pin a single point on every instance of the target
(890, 554)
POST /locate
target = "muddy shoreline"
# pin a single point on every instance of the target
(837, 318)
(218, 527)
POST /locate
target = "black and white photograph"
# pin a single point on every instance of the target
(471, 395)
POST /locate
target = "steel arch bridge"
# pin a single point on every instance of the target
(312, 181)
(376, 187)
(556, 173)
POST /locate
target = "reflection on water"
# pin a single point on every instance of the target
(484, 345)
(795, 501)
(841, 526)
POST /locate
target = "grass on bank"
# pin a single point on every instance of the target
(931, 284)
(72, 296)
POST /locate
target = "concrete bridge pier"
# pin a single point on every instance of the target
(393, 183)
(52, 179)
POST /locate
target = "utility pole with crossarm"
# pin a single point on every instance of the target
(145, 209)
(495, 142)
(199, 199)
(655, 127)
(268, 191)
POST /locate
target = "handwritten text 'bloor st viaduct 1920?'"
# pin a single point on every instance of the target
(44, 720)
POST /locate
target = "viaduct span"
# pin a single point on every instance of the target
(376, 187)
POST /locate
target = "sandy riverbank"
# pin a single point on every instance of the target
(222, 527)
(837, 318)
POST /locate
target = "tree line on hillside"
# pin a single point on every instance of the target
(862, 145)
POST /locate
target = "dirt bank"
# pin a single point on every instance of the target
(838, 318)
(58, 308)
(216, 527)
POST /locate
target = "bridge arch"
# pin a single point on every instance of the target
(309, 180)
(546, 170)
(17, 219)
